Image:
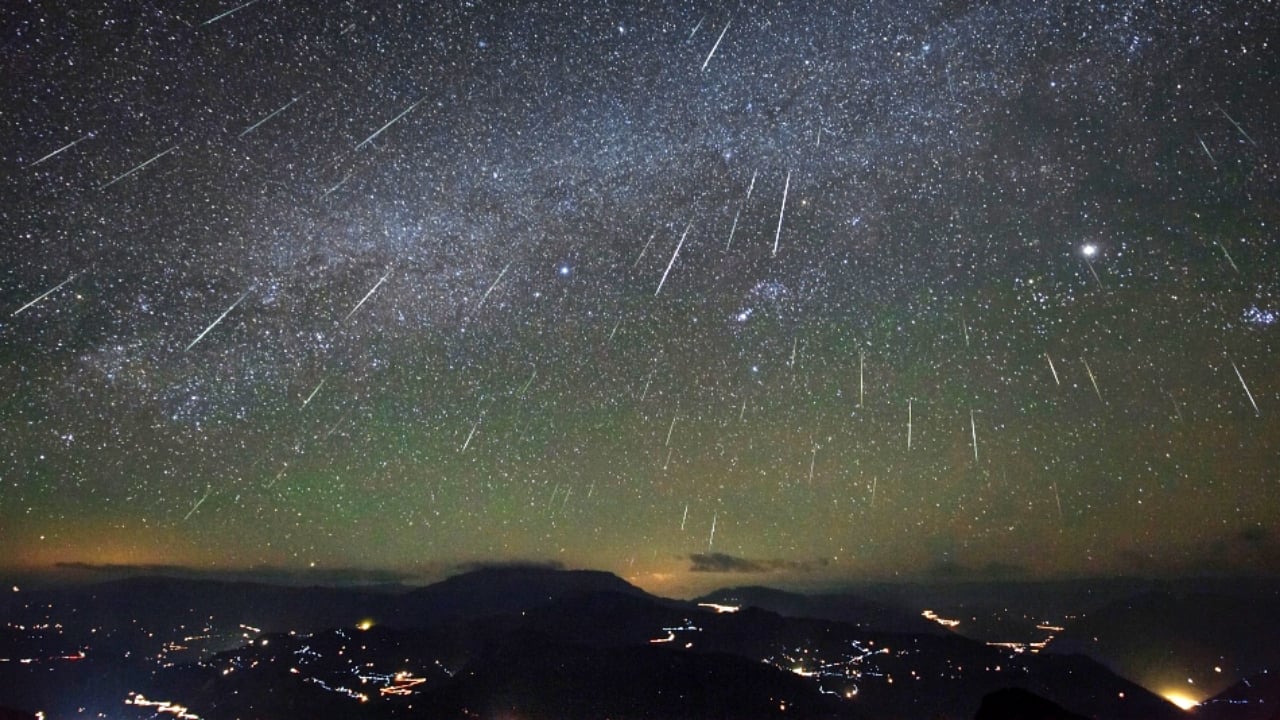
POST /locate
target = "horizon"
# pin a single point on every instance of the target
(694, 584)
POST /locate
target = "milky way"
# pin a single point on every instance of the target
(829, 290)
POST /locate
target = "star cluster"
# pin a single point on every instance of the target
(851, 290)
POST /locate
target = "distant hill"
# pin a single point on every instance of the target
(1253, 698)
(525, 642)
(1163, 638)
(845, 608)
(1019, 704)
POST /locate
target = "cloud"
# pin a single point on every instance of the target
(724, 563)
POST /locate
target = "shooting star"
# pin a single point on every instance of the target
(491, 287)
(875, 480)
(62, 149)
(136, 168)
(964, 325)
(673, 258)
(685, 518)
(711, 540)
(1252, 402)
(813, 458)
(614, 331)
(645, 392)
(752, 186)
(46, 293)
(669, 431)
(695, 29)
(1177, 410)
(1092, 379)
(1227, 255)
(713, 47)
(1233, 122)
(367, 295)
(743, 412)
(199, 502)
(644, 249)
(237, 8)
(255, 126)
(733, 230)
(279, 475)
(470, 435)
(1092, 271)
(1206, 150)
(1052, 369)
(214, 324)
(528, 382)
(340, 183)
(391, 122)
(908, 423)
(781, 211)
(334, 428)
(861, 386)
(973, 428)
(1057, 500)
(313, 393)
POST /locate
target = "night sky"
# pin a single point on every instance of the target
(801, 292)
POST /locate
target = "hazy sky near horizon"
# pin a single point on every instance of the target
(799, 291)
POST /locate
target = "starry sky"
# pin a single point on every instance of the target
(691, 292)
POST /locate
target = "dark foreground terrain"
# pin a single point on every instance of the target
(523, 643)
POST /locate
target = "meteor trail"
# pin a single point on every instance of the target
(214, 324)
(908, 423)
(198, 504)
(470, 435)
(368, 294)
(973, 428)
(1206, 150)
(341, 182)
(1052, 369)
(491, 287)
(68, 146)
(861, 387)
(528, 382)
(732, 230)
(1092, 379)
(1233, 122)
(1228, 256)
(391, 122)
(46, 293)
(713, 47)
(254, 126)
(644, 249)
(237, 8)
(313, 394)
(673, 258)
(1252, 402)
(781, 211)
(136, 168)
